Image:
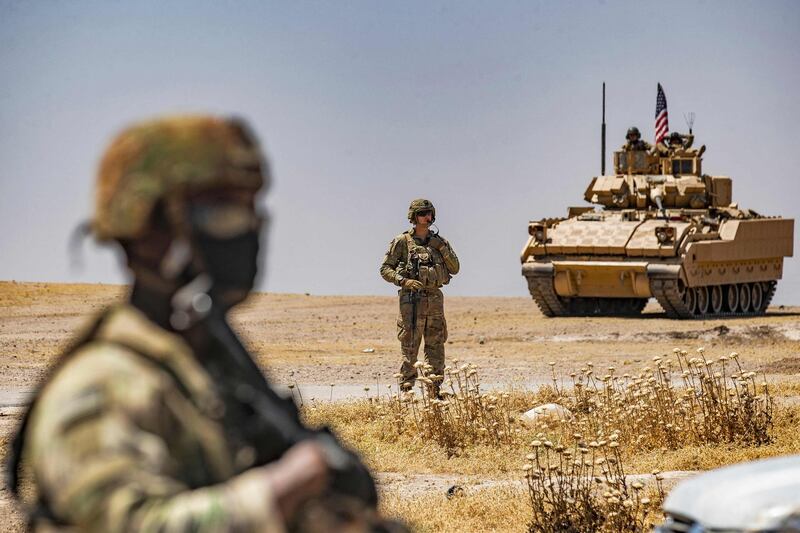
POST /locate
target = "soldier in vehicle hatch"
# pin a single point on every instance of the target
(420, 262)
(634, 140)
(675, 144)
(157, 418)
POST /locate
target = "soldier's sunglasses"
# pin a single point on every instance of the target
(424, 213)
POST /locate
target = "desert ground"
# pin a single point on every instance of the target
(333, 347)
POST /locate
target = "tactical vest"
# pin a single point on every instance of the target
(38, 513)
(425, 264)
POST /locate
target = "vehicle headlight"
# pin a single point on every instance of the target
(537, 231)
(665, 234)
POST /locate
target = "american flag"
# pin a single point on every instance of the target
(662, 121)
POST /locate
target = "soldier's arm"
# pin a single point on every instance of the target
(393, 257)
(108, 450)
(659, 149)
(449, 256)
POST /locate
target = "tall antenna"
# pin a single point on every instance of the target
(689, 118)
(603, 136)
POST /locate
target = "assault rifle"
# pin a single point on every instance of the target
(411, 270)
(275, 424)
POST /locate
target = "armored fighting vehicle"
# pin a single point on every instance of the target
(664, 229)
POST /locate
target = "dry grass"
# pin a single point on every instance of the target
(497, 509)
(370, 427)
(785, 389)
(677, 402)
(681, 413)
(458, 416)
(578, 484)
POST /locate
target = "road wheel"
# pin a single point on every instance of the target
(690, 300)
(717, 299)
(732, 298)
(702, 300)
(744, 297)
(757, 297)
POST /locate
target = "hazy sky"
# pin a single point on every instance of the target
(490, 109)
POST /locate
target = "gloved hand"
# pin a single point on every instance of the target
(300, 474)
(412, 284)
(438, 243)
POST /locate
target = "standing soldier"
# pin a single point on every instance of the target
(420, 262)
(157, 419)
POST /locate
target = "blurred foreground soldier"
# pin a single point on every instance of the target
(158, 419)
(420, 262)
(634, 140)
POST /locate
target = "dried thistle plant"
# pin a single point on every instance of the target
(459, 415)
(580, 486)
(678, 401)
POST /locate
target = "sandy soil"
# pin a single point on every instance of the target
(313, 341)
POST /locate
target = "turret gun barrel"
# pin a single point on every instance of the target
(657, 195)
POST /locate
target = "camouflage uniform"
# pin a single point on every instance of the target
(132, 433)
(158, 419)
(432, 261)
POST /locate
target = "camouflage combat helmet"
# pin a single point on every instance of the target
(165, 160)
(675, 138)
(420, 204)
(633, 130)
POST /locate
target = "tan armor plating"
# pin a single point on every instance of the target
(664, 229)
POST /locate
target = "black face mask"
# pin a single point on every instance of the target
(232, 262)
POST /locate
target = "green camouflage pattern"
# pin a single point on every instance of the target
(426, 321)
(395, 265)
(421, 313)
(420, 204)
(116, 446)
(167, 159)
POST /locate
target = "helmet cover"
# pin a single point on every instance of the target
(167, 159)
(420, 204)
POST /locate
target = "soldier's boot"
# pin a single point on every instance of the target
(435, 357)
(407, 384)
(408, 370)
(434, 388)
